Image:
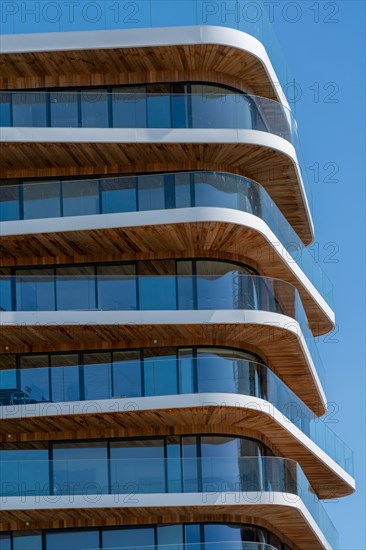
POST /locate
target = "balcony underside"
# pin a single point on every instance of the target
(211, 239)
(216, 54)
(33, 425)
(282, 517)
(275, 168)
(279, 346)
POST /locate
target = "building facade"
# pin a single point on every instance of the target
(160, 384)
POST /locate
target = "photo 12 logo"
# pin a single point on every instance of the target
(70, 11)
(241, 12)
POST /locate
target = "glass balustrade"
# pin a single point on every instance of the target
(232, 291)
(172, 537)
(181, 374)
(210, 476)
(101, 109)
(158, 192)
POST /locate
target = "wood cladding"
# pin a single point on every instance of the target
(274, 170)
(126, 65)
(279, 348)
(221, 240)
(283, 519)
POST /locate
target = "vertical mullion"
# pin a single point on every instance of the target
(81, 377)
(21, 201)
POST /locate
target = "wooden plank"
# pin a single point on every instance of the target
(190, 63)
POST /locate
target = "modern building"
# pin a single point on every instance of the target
(160, 385)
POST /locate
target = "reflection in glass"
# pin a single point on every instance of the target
(80, 468)
(65, 378)
(116, 287)
(80, 540)
(118, 195)
(64, 109)
(97, 376)
(129, 107)
(81, 197)
(128, 537)
(75, 288)
(131, 475)
(35, 293)
(94, 109)
(42, 200)
(126, 374)
(9, 203)
(29, 109)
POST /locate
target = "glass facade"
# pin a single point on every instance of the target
(180, 105)
(190, 536)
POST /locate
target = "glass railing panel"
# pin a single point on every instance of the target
(243, 475)
(101, 109)
(171, 376)
(158, 192)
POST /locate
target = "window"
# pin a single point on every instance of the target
(118, 195)
(128, 537)
(9, 203)
(25, 472)
(80, 197)
(5, 542)
(34, 379)
(160, 373)
(220, 285)
(80, 540)
(22, 541)
(75, 288)
(30, 109)
(35, 290)
(42, 200)
(129, 107)
(116, 286)
(138, 466)
(65, 378)
(170, 537)
(64, 109)
(126, 369)
(80, 468)
(94, 108)
(97, 376)
(151, 192)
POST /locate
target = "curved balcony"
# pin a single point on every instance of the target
(33, 481)
(123, 109)
(85, 197)
(232, 291)
(173, 376)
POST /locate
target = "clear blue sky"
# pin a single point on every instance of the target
(325, 47)
(334, 53)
